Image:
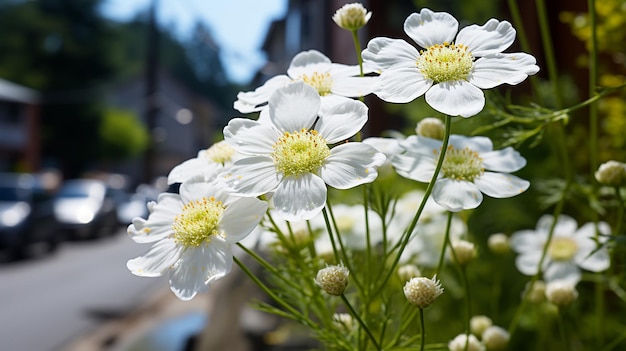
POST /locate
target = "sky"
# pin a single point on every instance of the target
(238, 26)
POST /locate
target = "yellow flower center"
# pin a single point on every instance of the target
(300, 152)
(445, 62)
(320, 81)
(198, 222)
(220, 152)
(562, 249)
(462, 164)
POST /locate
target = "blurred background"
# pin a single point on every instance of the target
(99, 99)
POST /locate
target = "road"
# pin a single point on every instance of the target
(48, 301)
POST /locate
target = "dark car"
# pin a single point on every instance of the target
(26, 214)
(85, 209)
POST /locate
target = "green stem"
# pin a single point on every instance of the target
(562, 331)
(468, 305)
(446, 240)
(620, 212)
(297, 315)
(429, 189)
(593, 82)
(361, 323)
(357, 47)
(346, 260)
(422, 330)
(548, 48)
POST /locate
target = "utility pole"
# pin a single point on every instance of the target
(151, 100)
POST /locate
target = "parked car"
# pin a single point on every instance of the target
(85, 209)
(26, 214)
(132, 205)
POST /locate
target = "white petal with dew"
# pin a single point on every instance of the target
(250, 137)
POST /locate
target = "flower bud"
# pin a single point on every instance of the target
(464, 251)
(478, 324)
(495, 338)
(430, 127)
(612, 173)
(422, 292)
(333, 279)
(352, 16)
(498, 243)
(408, 271)
(458, 343)
(535, 292)
(561, 293)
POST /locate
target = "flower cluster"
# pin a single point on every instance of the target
(303, 188)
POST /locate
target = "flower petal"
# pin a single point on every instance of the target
(493, 70)
(478, 144)
(490, 38)
(200, 266)
(308, 62)
(351, 164)
(527, 241)
(501, 185)
(385, 53)
(250, 137)
(414, 166)
(256, 100)
(562, 271)
(294, 107)
(428, 28)
(505, 160)
(241, 217)
(342, 121)
(300, 198)
(455, 195)
(192, 167)
(402, 85)
(252, 176)
(589, 256)
(159, 222)
(458, 98)
(355, 86)
(528, 263)
(158, 260)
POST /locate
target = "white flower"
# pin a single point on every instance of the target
(422, 291)
(446, 70)
(289, 156)
(470, 168)
(611, 173)
(427, 239)
(334, 82)
(209, 163)
(192, 234)
(472, 342)
(352, 16)
(570, 249)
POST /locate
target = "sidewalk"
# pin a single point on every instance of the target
(120, 334)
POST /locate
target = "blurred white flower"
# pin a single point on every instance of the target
(333, 82)
(209, 162)
(570, 249)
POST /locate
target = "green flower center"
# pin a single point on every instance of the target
(198, 221)
(562, 249)
(300, 152)
(220, 152)
(462, 164)
(445, 62)
(320, 81)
